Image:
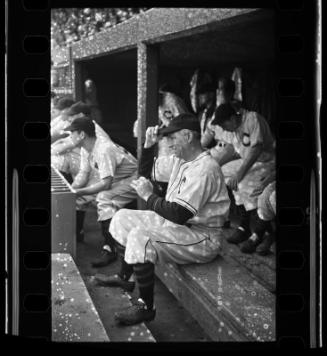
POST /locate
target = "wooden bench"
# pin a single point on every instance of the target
(74, 317)
(224, 297)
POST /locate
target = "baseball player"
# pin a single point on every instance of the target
(61, 119)
(66, 157)
(222, 151)
(170, 106)
(116, 168)
(254, 143)
(266, 212)
(184, 227)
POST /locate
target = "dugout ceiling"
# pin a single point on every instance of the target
(228, 36)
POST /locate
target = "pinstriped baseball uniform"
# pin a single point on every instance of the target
(197, 185)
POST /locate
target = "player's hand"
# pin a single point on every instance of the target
(78, 191)
(263, 183)
(143, 187)
(233, 183)
(151, 136)
(257, 191)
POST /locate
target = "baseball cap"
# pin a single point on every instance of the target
(223, 113)
(64, 103)
(180, 122)
(79, 108)
(82, 124)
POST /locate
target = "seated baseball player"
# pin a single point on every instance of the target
(61, 118)
(183, 227)
(115, 168)
(254, 143)
(259, 241)
(65, 156)
(156, 161)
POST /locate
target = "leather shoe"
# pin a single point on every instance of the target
(238, 236)
(264, 248)
(135, 314)
(249, 246)
(105, 259)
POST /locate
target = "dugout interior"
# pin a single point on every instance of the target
(246, 41)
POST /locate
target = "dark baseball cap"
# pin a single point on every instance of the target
(180, 122)
(82, 124)
(79, 108)
(64, 103)
(223, 113)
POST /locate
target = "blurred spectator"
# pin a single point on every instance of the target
(71, 25)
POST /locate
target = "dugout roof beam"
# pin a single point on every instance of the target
(164, 24)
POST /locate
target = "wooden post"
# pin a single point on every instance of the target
(147, 93)
(77, 80)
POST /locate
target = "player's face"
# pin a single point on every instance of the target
(64, 114)
(204, 100)
(54, 112)
(177, 143)
(77, 138)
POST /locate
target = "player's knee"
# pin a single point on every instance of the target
(121, 215)
(117, 222)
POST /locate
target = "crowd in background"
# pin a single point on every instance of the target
(71, 25)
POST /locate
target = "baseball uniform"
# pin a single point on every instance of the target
(109, 160)
(267, 203)
(199, 187)
(221, 148)
(67, 158)
(253, 130)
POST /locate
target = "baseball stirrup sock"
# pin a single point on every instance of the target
(144, 273)
(79, 220)
(245, 217)
(126, 270)
(260, 226)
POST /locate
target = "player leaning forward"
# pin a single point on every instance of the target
(184, 227)
(115, 169)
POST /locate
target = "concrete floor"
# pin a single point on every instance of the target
(172, 322)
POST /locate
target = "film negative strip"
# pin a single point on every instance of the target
(292, 53)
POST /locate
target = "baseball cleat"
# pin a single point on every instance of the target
(135, 314)
(105, 259)
(238, 236)
(264, 248)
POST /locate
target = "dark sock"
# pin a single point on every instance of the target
(79, 220)
(245, 217)
(126, 270)
(108, 239)
(144, 273)
(259, 226)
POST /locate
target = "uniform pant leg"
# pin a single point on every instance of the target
(125, 220)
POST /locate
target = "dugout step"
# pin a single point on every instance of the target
(262, 268)
(74, 317)
(225, 299)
